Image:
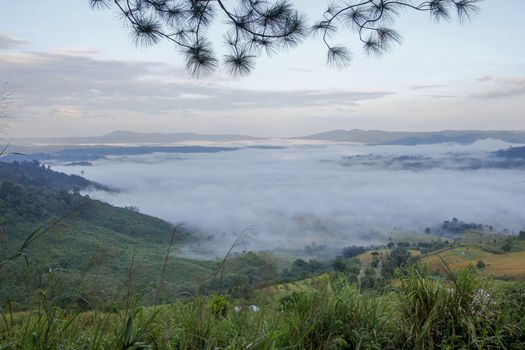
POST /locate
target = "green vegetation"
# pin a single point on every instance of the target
(76, 273)
(36, 174)
(480, 264)
(458, 226)
(77, 237)
(301, 269)
(419, 312)
(506, 266)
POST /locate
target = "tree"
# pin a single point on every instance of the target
(480, 264)
(398, 257)
(375, 259)
(5, 102)
(369, 279)
(351, 251)
(4, 105)
(339, 264)
(507, 246)
(266, 26)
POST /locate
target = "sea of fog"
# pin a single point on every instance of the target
(304, 193)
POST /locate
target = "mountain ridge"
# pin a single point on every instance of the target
(373, 137)
(125, 136)
(415, 137)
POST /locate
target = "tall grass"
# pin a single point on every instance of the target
(418, 313)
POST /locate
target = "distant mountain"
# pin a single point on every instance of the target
(372, 137)
(82, 155)
(126, 137)
(377, 137)
(515, 153)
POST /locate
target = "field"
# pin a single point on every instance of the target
(366, 257)
(502, 266)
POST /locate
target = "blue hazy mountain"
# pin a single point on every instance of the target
(415, 138)
(130, 137)
(373, 137)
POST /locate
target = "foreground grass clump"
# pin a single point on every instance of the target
(418, 312)
(459, 314)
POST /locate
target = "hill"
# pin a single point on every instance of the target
(34, 174)
(104, 253)
(130, 137)
(372, 137)
(512, 153)
(78, 235)
(415, 138)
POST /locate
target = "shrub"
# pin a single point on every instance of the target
(480, 264)
(219, 305)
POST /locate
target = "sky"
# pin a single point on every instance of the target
(74, 71)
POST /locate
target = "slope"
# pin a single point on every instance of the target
(112, 249)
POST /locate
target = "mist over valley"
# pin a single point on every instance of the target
(298, 193)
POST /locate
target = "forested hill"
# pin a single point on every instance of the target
(512, 153)
(34, 197)
(37, 174)
(31, 193)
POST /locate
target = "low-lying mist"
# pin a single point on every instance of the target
(305, 193)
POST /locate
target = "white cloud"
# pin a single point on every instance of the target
(7, 41)
(76, 51)
(48, 79)
(505, 87)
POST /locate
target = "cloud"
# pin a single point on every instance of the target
(425, 87)
(443, 96)
(505, 87)
(82, 51)
(304, 194)
(7, 41)
(49, 81)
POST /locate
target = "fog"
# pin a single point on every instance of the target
(304, 193)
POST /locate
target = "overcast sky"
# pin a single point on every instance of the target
(72, 70)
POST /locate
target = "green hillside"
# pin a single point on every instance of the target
(78, 235)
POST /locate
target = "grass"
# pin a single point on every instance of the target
(504, 266)
(420, 313)
(309, 284)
